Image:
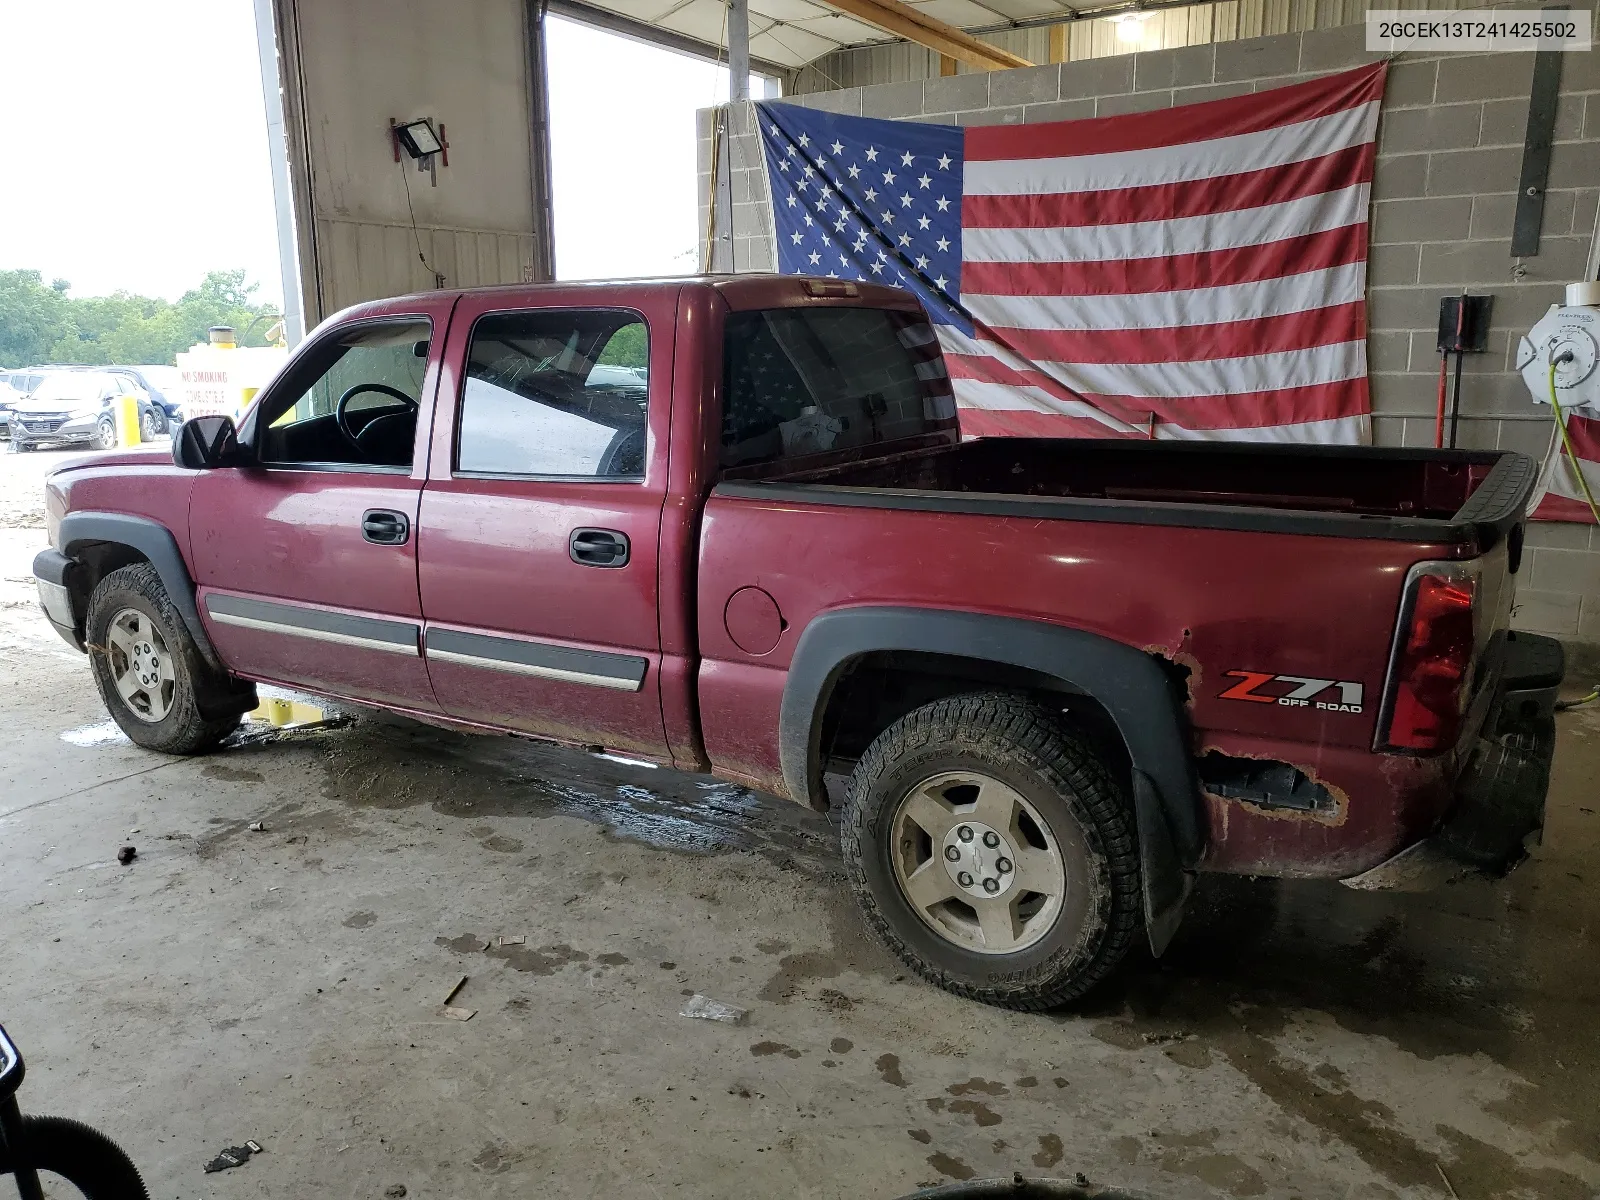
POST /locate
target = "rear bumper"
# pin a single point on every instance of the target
(1500, 796)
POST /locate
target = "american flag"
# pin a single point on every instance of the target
(1194, 272)
(1561, 496)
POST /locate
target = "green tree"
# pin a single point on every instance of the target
(628, 347)
(32, 316)
(42, 324)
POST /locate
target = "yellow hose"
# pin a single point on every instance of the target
(1577, 468)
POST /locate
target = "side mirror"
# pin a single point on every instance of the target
(205, 443)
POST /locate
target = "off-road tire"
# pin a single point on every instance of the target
(185, 729)
(84, 1157)
(1030, 750)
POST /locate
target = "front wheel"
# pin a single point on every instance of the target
(105, 435)
(84, 1157)
(994, 852)
(149, 670)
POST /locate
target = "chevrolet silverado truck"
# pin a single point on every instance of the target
(729, 525)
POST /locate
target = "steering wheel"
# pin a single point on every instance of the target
(340, 419)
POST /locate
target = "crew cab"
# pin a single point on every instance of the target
(730, 525)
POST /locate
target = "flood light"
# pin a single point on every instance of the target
(419, 138)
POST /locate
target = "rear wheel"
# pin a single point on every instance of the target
(150, 425)
(993, 851)
(84, 1157)
(149, 670)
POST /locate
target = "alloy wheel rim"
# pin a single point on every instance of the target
(977, 862)
(142, 669)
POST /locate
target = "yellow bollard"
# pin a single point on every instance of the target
(126, 410)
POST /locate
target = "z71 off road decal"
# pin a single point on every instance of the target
(1262, 688)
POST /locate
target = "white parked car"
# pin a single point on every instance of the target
(14, 385)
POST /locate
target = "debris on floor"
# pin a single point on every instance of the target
(520, 939)
(233, 1156)
(707, 1009)
(126, 855)
(453, 1012)
(395, 1189)
(258, 826)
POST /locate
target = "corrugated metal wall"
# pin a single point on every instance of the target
(1165, 29)
(362, 260)
(361, 217)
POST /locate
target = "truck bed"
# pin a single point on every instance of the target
(1346, 491)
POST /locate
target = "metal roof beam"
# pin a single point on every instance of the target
(641, 31)
(902, 20)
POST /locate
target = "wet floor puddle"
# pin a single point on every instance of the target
(385, 763)
(101, 733)
(277, 710)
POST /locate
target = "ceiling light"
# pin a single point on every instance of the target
(1130, 26)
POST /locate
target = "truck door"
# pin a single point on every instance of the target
(541, 516)
(306, 560)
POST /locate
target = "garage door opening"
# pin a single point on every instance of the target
(622, 148)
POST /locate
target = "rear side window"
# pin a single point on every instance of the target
(556, 392)
(799, 382)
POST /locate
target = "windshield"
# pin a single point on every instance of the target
(165, 379)
(68, 387)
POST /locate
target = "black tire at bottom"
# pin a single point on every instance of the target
(84, 1157)
(1090, 820)
(186, 728)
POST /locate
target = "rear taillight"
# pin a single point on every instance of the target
(1428, 683)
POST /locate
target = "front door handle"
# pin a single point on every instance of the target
(384, 527)
(598, 548)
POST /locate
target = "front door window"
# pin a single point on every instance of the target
(352, 401)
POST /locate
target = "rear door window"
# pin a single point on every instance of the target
(556, 393)
(800, 382)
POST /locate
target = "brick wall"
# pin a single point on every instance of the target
(1450, 152)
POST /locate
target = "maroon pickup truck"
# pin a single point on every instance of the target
(730, 525)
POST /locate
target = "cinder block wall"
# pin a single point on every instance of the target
(1450, 153)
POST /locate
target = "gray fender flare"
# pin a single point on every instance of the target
(153, 540)
(1127, 682)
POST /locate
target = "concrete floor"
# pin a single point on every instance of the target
(285, 985)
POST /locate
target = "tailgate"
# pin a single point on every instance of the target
(1451, 635)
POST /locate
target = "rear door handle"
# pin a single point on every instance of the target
(384, 527)
(598, 548)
